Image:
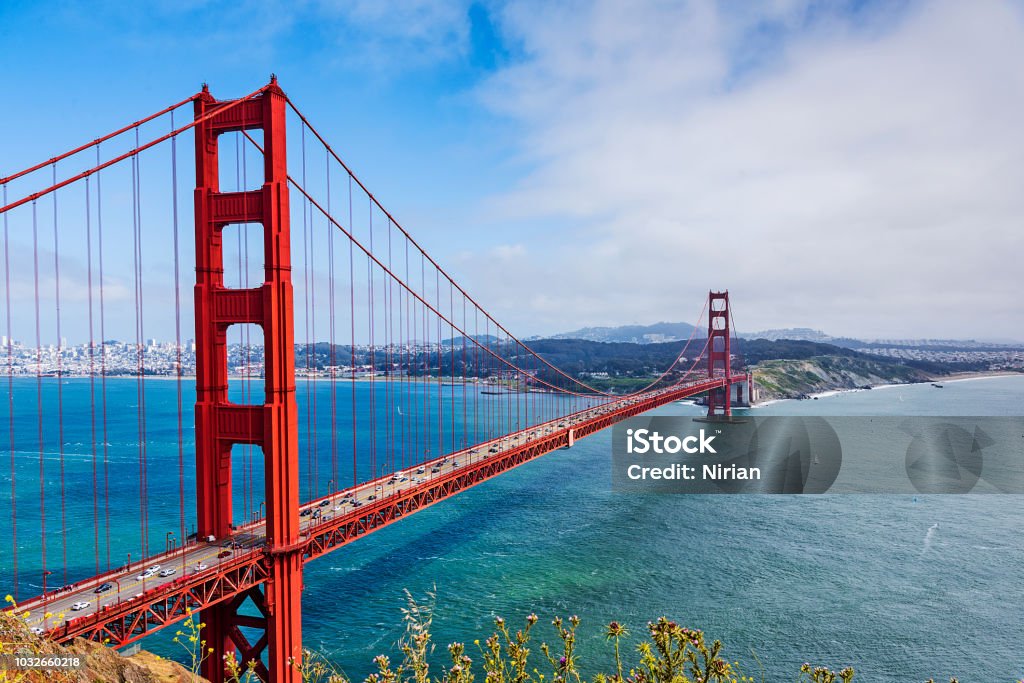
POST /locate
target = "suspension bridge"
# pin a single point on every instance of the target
(410, 391)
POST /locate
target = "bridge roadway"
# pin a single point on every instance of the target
(204, 573)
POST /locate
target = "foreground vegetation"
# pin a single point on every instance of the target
(670, 653)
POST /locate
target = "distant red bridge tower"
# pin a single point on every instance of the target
(719, 353)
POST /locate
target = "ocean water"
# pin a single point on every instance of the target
(903, 588)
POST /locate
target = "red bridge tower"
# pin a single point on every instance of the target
(719, 354)
(272, 426)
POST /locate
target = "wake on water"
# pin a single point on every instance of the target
(929, 537)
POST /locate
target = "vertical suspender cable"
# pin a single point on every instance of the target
(440, 366)
(403, 333)
(39, 392)
(10, 394)
(103, 363)
(60, 388)
(331, 339)
(92, 381)
(305, 300)
(177, 344)
(140, 340)
(451, 335)
(374, 472)
(314, 441)
(352, 329)
(389, 399)
(465, 394)
(410, 357)
(389, 321)
(426, 362)
(479, 375)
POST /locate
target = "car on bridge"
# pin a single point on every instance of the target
(168, 572)
(79, 606)
(103, 588)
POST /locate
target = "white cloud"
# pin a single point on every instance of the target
(861, 175)
(508, 252)
(388, 34)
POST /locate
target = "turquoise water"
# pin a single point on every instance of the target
(867, 581)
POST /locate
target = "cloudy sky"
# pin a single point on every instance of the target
(855, 167)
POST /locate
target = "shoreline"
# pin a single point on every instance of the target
(981, 374)
(955, 377)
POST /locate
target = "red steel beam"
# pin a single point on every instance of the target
(126, 622)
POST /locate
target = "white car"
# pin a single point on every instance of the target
(144, 575)
(37, 631)
(200, 567)
(170, 571)
(79, 606)
(153, 570)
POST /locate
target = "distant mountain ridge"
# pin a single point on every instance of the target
(668, 332)
(633, 334)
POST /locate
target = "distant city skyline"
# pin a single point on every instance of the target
(848, 166)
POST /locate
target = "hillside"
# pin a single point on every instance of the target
(795, 378)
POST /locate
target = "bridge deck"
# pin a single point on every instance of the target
(202, 574)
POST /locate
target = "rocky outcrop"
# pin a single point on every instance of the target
(100, 664)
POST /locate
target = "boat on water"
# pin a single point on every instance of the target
(937, 386)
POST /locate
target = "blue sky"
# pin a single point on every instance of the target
(853, 167)
(399, 104)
